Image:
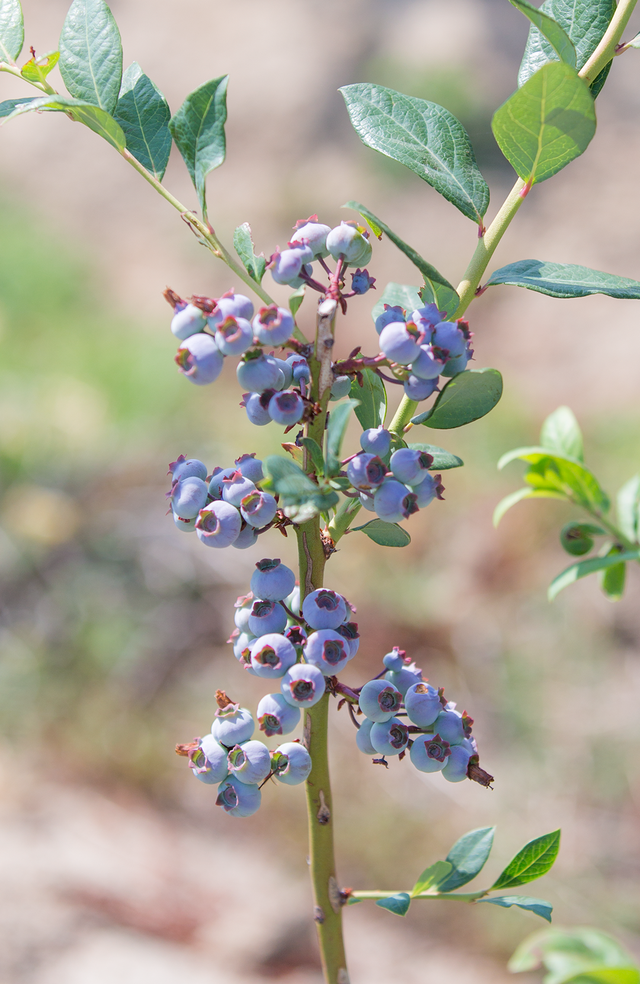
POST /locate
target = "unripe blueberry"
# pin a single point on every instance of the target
(376, 440)
(247, 537)
(448, 335)
(299, 368)
(306, 270)
(238, 799)
(272, 655)
(291, 763)
(230, 305)
(363, 257)
(394, 502)
(242, 644)
(327, 650)
(410, 466)
(285, 369)
(366, 500)
(236, 487)
(184, 525)
(234, 336)
(216, 482)
(187, 320)
(347, 241)
(404, 678)
(188, 496)
(361, 282)
(232, 724)
(349, 632)
(292, 601)
(389, 737)
(314, 234)
(429, 753)
(422, 704)
(395, 660)
(187, 468)
(250, 466)
(258, 508)
(258, 374)
(379, 700)
(363, 737)
(400, 342)
(453, 726)
(285, 266)
(366, 471)
(209, 761)
(340, 387)
(286, 408)
(419, 389)
(250, 762)
(457, 763)
(267, 616)
(428, 489)
(199, 360)
(243, 607)
(429, 363)
(390, 315)
(257, 407)
(303, 685)
(324, 609)
(218, 524)
(272, 580)
(273, 325)
(276, 716)
(457, 365)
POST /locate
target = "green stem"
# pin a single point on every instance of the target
(615, 532)
(610, 40)
(346, 513)
(14, 70)
(449, 896)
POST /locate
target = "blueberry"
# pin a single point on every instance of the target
(349, 632)
(232, 724)
(188, 496)
(303, 685)
(313, 234)
(286, 265)
(258, 374)
(366, 471)
(299, 368)
(327, 650)
(272, 580)
(455, 366)
(379, 700)
(363, 737)
(422, 704)
(448, 335)
(199, 360)
(324, 609)
(453, 726)
(242, 644)
(376, 440)
(389, 737)
(340, 387)
(390, 315)
(361, 282)
(187, 320)
(395, 660)
(347, 240)
(258, 508)
(247, 537)
(236, 487)
(296, 636)
(187, 468)
(366, 501)
(419, 389)
(400, 342)
(457, 764)
(427, 318)
(243, 606)
(184, 525)
(404, 678)
(291, 763)
(286, 408)
(267, 616)
(209, 761)
(285, 369)
(292, 601)
(430, 488)
(429, 753)
(257, 407)
(272, 655)
(394, 502)
(250, 762)
(429, 362)
(410, 466)
(230, 305)
(234, 336)
(273, 325)
(276, 716)
(250, 466)
(216, 482)
(238, 799)
(218, 524)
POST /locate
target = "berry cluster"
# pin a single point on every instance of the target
(225, 508)
(348, 244)
(423, 347)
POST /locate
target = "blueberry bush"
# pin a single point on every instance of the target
(290, 628)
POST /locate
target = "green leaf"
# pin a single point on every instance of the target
(560, 473)
(91, 54)
(564, 280)
(8, 107)
(336, 429)
(538, 906)
(527, 493)
(467, 397)
(144, 114)
(300, 498)
(550, 30)
(424, 137)
(561, 432)
(296, 298)
(612, 578)
(431, 879)
(398, 904)
(634, 43)
(91, 115)
(11, 30)
(372, 399)
(442, 460)
(585, 22)
(582, 955)
(385, 534)
(442, 292)
(254, 265)
(198, 130)
(628, 503)
(467, 857)
(586, 567)
(398, 295)
(547, 123)
(315, 453)
(37, 69)
(533, 861)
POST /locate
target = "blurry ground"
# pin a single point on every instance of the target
(115, 862)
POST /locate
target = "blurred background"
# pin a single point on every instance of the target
(115, 861)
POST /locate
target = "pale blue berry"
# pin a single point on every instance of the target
(273, 325)
(455, 769)
(400, 342)
(258, 373)
(427, 317)
(247, 537)
(291, 763)
(327, 650)
(313, 234)
(324, 609)
(366, 471)
(404, 678)
(390, 315)
(230, 305)
(422, 703)
(303, 685)
(267, 616)
(299, 368)
(395, 660)
(286, 265)
(257, 407)
(232, 724)
(376, 440)
(363, 737)
(234, 336)
(276, 716)
(286, 408)
(238, 799)
(347, 241)
(272, 655)
(188, 496)
(199, 360)
(429, 362)
(458, 365)
(419, 389)
(187, 320)
(340, 387)
(394, 502)
(453, 726)
(272, 580)
(236, 487)
(410, 466)
(430, 488)
(448, 335)
(187, 468)
(218, 524)
(242, 643)
(216, 482)
(250, 762)
(389, 737)
(379, 700)
(258, 508)
(349, 632)
(184, 525)
(250, 466)
(429, 753)
(209, 761)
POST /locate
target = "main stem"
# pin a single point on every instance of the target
(327, 901)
